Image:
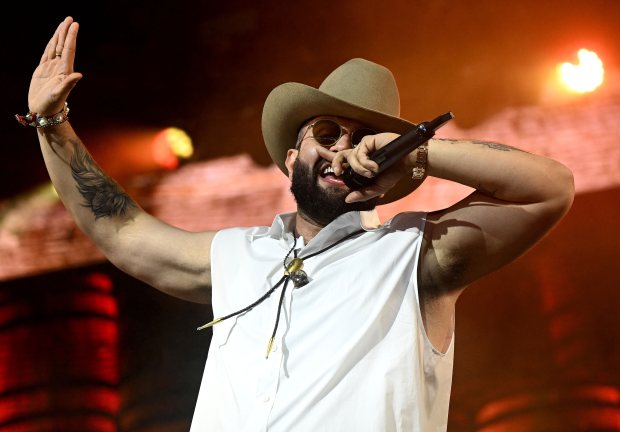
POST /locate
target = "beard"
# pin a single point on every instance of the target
(321, 205)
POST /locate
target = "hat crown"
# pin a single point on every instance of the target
(365, 84)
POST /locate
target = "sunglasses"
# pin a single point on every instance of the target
(328, 132)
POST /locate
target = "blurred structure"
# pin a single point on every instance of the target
(59, 359)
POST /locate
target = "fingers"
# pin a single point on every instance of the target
(68, 50)
(49, 53)
(55, 46)
(360, 163)
(62, 35)
(60, 50)
(339, 163)
(326, 154)
(342, 159)
(363, 151)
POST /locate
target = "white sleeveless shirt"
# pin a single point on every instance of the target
(350, 353)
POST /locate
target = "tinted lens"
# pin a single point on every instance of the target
(358, 134)
(326, 132)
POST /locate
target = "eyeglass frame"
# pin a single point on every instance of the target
(342, 128)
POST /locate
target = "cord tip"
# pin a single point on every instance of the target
(209, 324)
(269, 348)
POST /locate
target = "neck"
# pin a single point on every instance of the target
(306, 227)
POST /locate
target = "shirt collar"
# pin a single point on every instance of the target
(283, 225)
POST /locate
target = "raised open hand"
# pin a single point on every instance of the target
(54, 77)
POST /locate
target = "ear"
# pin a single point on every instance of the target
(291, 157)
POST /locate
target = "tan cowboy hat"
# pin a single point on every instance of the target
(359, 89)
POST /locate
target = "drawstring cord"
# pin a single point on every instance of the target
(293, 270)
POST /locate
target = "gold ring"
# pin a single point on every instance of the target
(58, 54)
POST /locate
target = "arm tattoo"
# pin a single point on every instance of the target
(491, 145)
(102, 195)
(496, 146)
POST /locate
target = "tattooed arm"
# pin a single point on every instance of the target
(172, 260)
(519, 197)
(101, 194)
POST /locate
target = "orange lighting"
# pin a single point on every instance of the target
(585, 76)
(169, 145)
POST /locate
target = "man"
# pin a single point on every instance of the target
(327, 320)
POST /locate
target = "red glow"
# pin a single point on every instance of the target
(59, 366)
(14, 311)
(585, 407)
(76, 423)
(100, 281)
(566, 418)
(29, 403)
(162, 152)
(92, 302)
(565, 325)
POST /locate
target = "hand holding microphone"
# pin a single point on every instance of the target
(393, 152)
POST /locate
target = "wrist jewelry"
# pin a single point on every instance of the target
(419, 169)
(36, 120)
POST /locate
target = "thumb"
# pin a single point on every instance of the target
(69, 82)
(364, 194)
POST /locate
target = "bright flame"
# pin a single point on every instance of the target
(585, 76)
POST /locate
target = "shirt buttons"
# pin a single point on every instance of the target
(266, 398)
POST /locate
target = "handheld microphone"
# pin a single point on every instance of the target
(393, 152)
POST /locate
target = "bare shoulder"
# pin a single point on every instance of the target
(479, 235)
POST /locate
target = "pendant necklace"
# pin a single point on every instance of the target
(293, 271)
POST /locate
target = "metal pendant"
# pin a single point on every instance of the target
(294, 268)
(299, 278)
(294, 265)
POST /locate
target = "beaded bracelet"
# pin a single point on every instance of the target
(419, 170)
(39, 121)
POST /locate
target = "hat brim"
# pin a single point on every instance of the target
(289, 105)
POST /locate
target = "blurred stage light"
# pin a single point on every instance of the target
(170, 145)
(585, 76)
(127, 152)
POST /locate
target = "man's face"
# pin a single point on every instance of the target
(318, 192)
